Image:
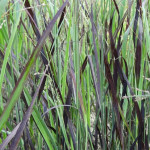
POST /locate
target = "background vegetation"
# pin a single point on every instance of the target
(74, 74)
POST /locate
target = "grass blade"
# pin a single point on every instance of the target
(25, 118)
(8, 49)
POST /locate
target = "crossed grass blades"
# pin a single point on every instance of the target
(74, 74)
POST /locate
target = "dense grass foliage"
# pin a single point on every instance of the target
(74, 74)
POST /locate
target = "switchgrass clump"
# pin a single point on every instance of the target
(74, 74)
